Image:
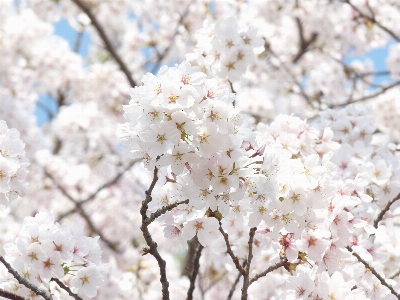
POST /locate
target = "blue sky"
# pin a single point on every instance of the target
(64, 30)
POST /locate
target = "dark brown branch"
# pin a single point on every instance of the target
(188, 262)
(152, 246)
(106, 41)
(384, 210)
(25, 282)
(9, 295)
(65, 288)
(246, 276)
(373, 271)
(233, 288)
(304, 44)
(373, 20)
(163, 210)
(195, 271)
(269, 270)
(230, 252)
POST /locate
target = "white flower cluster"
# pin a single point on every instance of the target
(186, 122)
(283, 180)
(13, 165)
(44, 251)
(225, 50)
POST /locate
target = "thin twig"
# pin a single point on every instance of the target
(47, 110)
(293, 77)
(78, 41)
(233, 288)
(106, 40)
(25, 282)
(381, 91)
(67, 289)
(373, 20)
(161, 56)
(195, 271)
(99, 189)
(246, 276)
(230, 252)
(163, 210)
(384, 210)
(269, 270)
(232, 90)
(84, 215)
(373, 271)
(395, 274)
(152, 246)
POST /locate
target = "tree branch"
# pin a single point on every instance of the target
(67, 289)
(9, 295)
(373, 20)
(161, 56)
(83, 214)
(195, 271)
(92, 196)
(163, 210)
(233, 288)
(25, 282)
(106, 41)
(384, 210)
(270, 269)
(293, 77)
(152, 246)
(304, 44)
(246, 276)
(397, 273)
(381, 91)
(373, 271)
(230, 252)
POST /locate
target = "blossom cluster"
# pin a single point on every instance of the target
(318, 192)
(185, 125)
(13, 164)
(309, 189)
(45, 251)
(224, 50)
